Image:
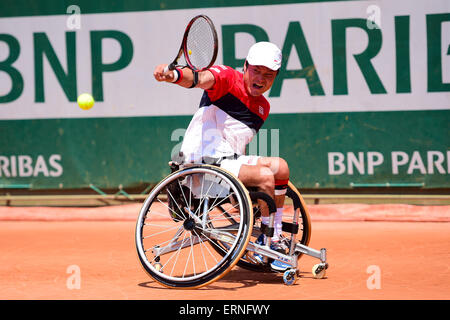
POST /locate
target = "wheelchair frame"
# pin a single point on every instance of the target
(231, 242)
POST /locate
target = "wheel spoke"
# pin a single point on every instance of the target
(158, 233)
(202, 244)
(176, 214)
(177, 253)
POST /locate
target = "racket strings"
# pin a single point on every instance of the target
(200, 44)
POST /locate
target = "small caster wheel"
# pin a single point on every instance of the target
(290, 277)
(319, 271)
(158, 266)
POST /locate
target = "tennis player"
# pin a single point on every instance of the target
(232, 110)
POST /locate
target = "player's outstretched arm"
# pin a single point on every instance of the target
(184, 77)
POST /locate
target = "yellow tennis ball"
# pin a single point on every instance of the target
(85, 101)
(190, 52)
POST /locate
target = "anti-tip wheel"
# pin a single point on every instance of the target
(290, 277)
(319, 271)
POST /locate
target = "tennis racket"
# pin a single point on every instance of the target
(199, 46)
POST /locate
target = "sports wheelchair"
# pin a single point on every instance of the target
(200, 221)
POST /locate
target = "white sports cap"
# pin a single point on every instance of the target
(265, 54)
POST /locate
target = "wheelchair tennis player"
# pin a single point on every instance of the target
(231, 112)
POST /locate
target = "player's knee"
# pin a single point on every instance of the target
(266, 179)
(279, 167)
(283, 169)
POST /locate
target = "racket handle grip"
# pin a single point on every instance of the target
(170, 67)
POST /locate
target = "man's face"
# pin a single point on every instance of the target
(258, 79)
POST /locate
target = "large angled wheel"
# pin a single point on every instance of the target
(180, 224)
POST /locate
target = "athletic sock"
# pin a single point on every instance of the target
(278, 223)
(280, 189)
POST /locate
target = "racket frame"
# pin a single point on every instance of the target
(183, 47)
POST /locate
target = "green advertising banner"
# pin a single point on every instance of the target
(362, 97)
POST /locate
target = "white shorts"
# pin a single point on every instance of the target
(234, 165)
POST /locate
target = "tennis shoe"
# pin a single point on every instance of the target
(279, 266)
(275, 264)
(258, 257)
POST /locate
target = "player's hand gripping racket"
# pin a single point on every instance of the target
(199, 46)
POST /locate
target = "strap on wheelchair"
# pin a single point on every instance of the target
(286, 227)
(289, 227)
(266, 230)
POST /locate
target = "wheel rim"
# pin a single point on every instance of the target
(178, 237)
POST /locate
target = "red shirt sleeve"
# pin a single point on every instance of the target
(224, 80)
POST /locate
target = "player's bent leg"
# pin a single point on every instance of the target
(280, 170)
(258, 176)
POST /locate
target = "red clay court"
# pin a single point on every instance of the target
(374, 251)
